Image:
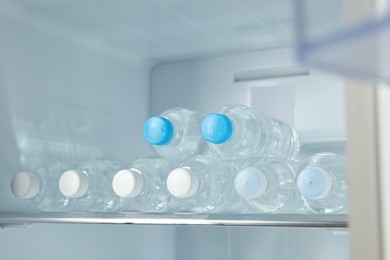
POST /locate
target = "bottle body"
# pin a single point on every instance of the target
(268, 186)
(322, 183)
(142, 186)
(175, 134)
(235, 132)
(41, 187)
(88, 187)
(204, 184)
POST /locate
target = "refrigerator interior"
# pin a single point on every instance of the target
(78, 80)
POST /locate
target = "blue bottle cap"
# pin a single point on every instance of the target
(158, 130)
(250, 183)
(216, 128)
(314, 183)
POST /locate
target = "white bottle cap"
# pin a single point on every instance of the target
(73, 183)
(314, 183)
(127, 183)
(25, 185)
(250, 183)
(182, 182)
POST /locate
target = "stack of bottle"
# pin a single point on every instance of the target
(230, 161)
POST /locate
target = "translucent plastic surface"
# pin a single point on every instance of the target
(186, 140)
(154, 196)
(334, 197)
(215, 192)
(49, 197)
(349, 38)
(255, 135)
(280, 194)
(99, 195)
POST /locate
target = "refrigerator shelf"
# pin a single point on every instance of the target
(271, 220)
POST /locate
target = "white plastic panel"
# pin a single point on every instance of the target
(292, 244)
(60, 101)
(172, 243)
(80, 242)
(310, 101)
(206, 84)
(246, 243)
(141, 30)
(207, 243)
(383, 106)
(364, 151)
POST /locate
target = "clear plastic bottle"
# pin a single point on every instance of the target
(88, 187)
(175, 134)
(322, 183)
(41, 187)
(268, 186)
(143, 186)
(204, 184)
(235, 132)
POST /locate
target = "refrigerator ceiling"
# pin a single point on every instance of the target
(159, 30)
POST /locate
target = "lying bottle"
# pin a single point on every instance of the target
(142, 186)
(175, 134)
(204, 184)
(322, 183)
(268, 186)
(88, 187)
(41, 187)
(236, 133)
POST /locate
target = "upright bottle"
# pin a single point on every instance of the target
(143, 186)
(88, 187)
(41, 187)
(175, 134)
(268, 186)
(235, 132)
(204, 184)
(322, 183)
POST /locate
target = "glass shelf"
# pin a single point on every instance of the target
(270, 220)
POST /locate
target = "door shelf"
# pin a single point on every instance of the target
(271, 220)
(350, 44)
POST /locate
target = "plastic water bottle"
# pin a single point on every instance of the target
(175, 134)
(143, 186)
(204, 184)
(41, 187)
(322, 183)
(88, 187)
(268, 186)
(235, 132)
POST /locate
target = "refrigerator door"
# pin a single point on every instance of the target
(355, 43)
(365, 159)
(368, 152)
(381, 215)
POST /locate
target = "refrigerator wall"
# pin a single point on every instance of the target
(269, 80)
(101, 242)
(76, 241)
(67, 102)
(248, 243)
